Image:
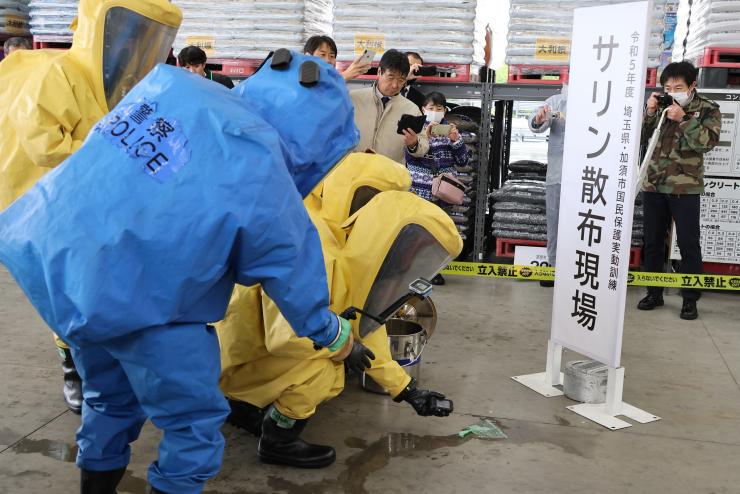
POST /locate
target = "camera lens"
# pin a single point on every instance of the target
(665, 100)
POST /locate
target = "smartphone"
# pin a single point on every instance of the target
(426, 71)
(411, 122)
(439, 130)
(367, 57)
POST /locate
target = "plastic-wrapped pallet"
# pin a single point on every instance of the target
(442, 31)
(703, 24)
(532, 22)
(52, 17)
(249, 29)
(14, 18)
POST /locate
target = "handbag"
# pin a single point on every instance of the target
(447, 188)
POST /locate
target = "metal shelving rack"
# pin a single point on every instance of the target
(468, 91)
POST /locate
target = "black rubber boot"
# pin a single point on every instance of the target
(72, 383)
(280, 444)
(100, 482)
(650, 302)
(246, 416)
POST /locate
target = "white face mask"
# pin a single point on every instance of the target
(434, 116)
(681, 98)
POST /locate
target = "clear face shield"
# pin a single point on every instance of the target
(414, 254)
(133, 45)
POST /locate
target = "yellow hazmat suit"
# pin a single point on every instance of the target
(50, 99)
(263, 363)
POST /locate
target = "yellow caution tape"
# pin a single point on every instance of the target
(634, 278)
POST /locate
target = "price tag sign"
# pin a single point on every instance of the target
(374, 42)
(205, 43)
(15, 25)
(552, 49)
(530, 256)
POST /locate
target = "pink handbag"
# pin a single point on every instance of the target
(447, 188)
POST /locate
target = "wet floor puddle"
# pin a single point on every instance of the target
(372, 458)
(57, 450)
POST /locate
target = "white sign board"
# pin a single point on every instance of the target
(525, 255)
(724, 159)
(602, 138)
(720, 222)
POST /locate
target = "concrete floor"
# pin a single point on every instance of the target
(685, 372)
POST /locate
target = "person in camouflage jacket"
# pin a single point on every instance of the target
(675, 177)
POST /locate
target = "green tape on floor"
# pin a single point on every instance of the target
(485, 429)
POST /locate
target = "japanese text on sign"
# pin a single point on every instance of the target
(374, 42)
(155, 141)
(552, 49)
(607, 76)
(205, 43)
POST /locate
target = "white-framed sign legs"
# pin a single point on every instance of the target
(606, 413)
(544, 382)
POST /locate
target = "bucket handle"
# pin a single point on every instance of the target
(410, 362)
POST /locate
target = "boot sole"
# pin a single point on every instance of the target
(270, 460)
(691, 317)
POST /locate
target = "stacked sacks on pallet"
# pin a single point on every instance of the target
(52, 17)
(703, 24)
(520, 210)
(534, 22)
(249, 29)
(451, 32)
(14, 18)
(519, 206)
(638, 226)
(467, 120)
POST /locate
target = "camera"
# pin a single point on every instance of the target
(664, 100)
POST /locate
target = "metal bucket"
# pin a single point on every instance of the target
(407, 341)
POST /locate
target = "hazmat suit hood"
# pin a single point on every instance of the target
(353, 183)
(315, 141)
(120, 41)
(405, 238)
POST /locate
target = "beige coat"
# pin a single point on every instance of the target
(378, 126)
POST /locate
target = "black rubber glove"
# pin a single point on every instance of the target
(359, 358)
(426, 403)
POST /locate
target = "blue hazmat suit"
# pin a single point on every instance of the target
(132, 245)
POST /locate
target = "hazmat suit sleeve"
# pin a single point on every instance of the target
(538, 129)
(44, 117)
(284, 255)
(385, 371)
(281, 342)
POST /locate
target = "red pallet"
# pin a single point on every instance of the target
(447, 72)
(720, 57)
(53, 42)
(505, 247)
(722, 269)
(233, 67)
(652, 77)
(522, 74)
